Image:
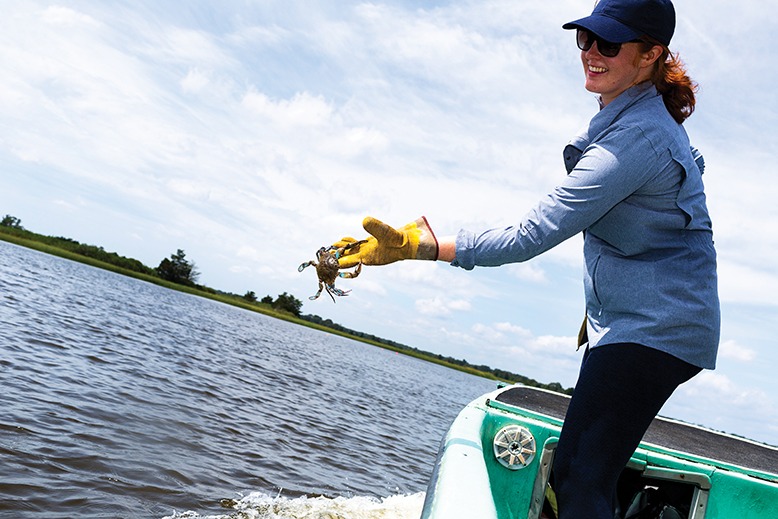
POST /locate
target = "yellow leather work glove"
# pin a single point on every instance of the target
(387, 244)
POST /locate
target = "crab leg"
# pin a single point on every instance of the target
(339, 250)
(338, 292)
(316, 296)
(330, 289)
(352, 274)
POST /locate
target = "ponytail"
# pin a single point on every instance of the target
(673, 83)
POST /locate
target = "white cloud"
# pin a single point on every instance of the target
(302, 110)
(195, 81)
(739, 283)
(714, 400)
(63, 16)
(439, 306)
(512, 329)
(732, 350)
(714, 411)
(529, 271)
(488, 333)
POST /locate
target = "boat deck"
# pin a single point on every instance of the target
(669, 434)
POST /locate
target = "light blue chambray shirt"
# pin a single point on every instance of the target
(635, 190)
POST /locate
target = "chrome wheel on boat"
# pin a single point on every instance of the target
(514, 447)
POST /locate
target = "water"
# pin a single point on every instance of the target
(119, 398)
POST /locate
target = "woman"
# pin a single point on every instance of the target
(634, 189)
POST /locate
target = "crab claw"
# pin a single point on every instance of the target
(303, 265)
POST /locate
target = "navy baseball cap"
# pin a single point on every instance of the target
(620, 21)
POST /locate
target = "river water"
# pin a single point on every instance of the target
(122, 399)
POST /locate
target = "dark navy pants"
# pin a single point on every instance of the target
(620, 390)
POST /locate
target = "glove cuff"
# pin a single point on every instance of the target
(428, 244)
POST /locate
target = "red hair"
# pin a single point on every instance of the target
(672, 81)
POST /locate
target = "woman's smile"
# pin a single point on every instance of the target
(597, 70)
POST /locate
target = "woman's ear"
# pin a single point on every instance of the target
(650, 56)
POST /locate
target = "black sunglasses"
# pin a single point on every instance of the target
(586, 39)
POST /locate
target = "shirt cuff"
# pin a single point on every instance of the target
(465, 250)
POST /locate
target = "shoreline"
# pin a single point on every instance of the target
(261, 308)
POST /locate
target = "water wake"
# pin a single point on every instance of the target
(258, 505)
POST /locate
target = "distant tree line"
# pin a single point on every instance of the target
(12, 225)
(285, 302)
(177, 269)
(498, 373)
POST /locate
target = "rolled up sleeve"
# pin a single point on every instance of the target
(465, 257)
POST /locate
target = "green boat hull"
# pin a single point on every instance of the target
(495, 463)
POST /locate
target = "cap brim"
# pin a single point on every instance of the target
(608, 29)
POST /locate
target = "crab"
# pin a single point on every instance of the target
(328, 269)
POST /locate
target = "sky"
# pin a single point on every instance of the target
(251, 133)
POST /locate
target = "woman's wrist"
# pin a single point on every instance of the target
(447, 248)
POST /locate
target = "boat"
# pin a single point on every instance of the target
(495, 462)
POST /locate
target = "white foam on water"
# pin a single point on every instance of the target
(258, 505)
